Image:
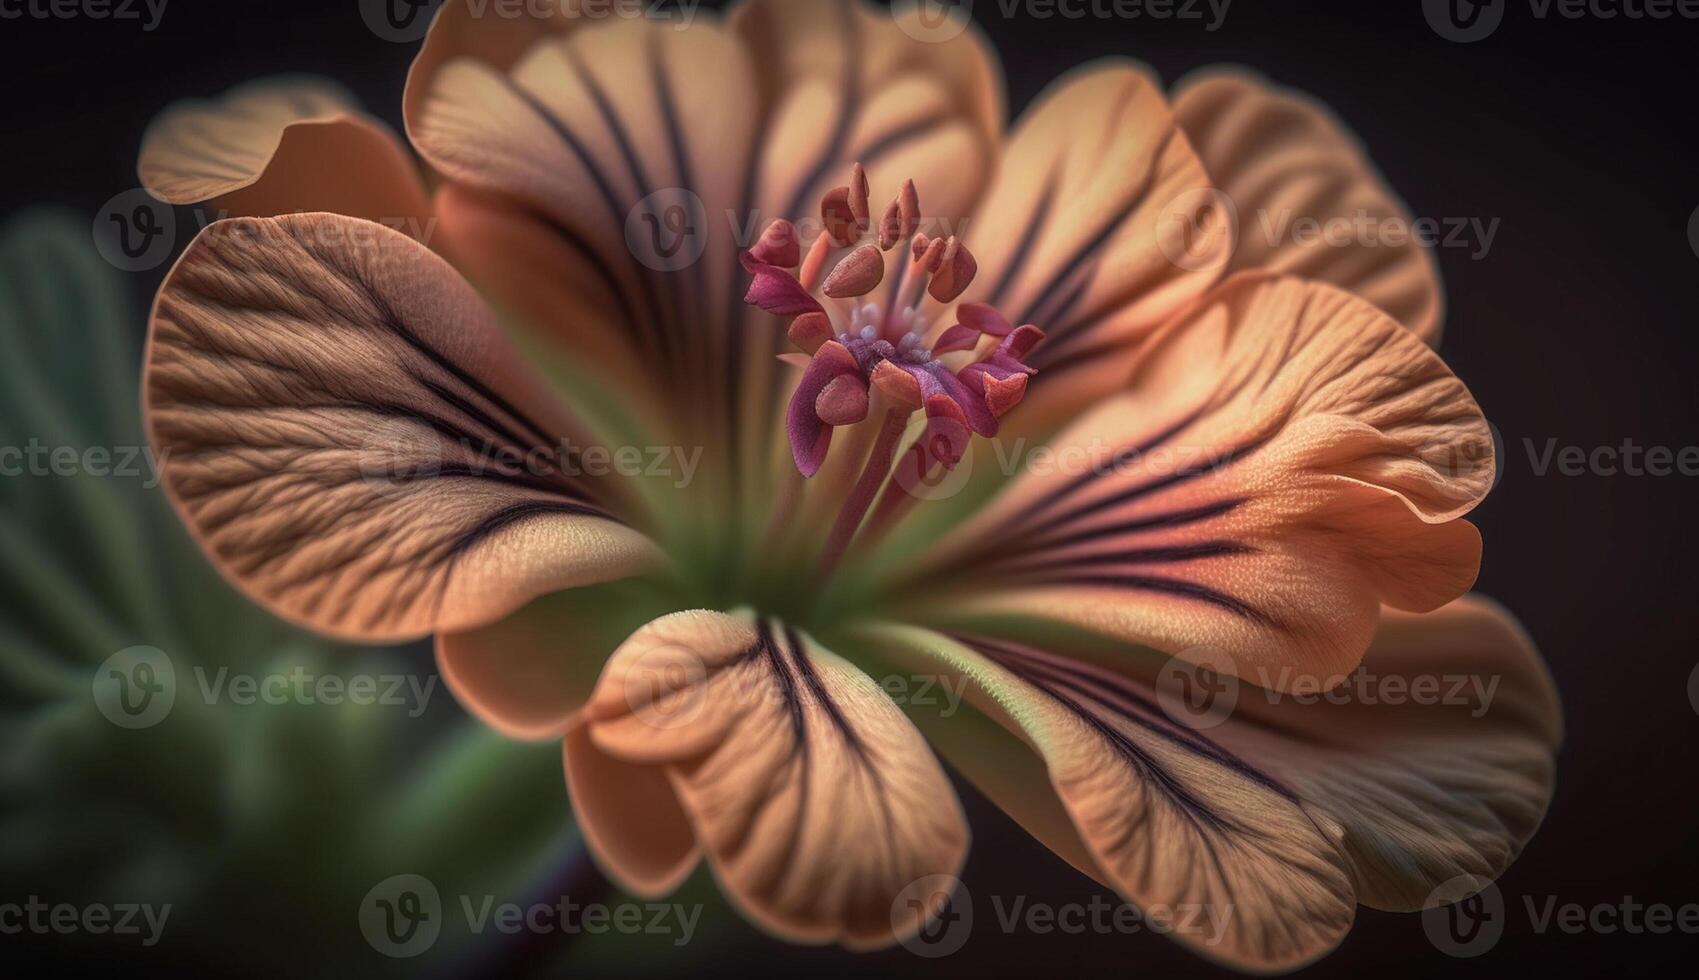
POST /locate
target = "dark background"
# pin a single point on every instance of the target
(1576, 326)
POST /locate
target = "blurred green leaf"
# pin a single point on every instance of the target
(264, 825)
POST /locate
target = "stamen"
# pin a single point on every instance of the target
(857, 275)
(883, 349)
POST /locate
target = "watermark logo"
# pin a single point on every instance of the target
(933, 21)
(1464, 916)
(1693, 689)
(666, 686)
(41, 917)
(1693, 231)
(936, 464)
(401, 916)
(136, 687)
(400, 21)
(134, 231)
(1199, 688)
(148, 12)
(396, 454)
(668, 230)
(947, 910)
(1198, 229)
(1463, 21)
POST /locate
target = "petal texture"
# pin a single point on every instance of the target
(1284, 159)
(1435, 761)
(817, 803)
(353, 441)
(284, 144)
(1286, 458)
(1071, 234)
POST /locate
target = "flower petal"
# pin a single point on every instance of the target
(528, 674)
(1227, 860)
(284, 144)
(818, 805)
(1439, 764)
(1069, 235)
(1282, 156)
(355, 444)
(1286, 459)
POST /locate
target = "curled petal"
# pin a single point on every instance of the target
(817, 803)
(281, 145)
(1434, 761)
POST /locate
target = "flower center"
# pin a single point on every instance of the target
(874, 362)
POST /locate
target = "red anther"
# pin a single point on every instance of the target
(838, 217)
(779, 245)
(890, 226)
(809, 331)
(843, 401)
(858, 198)
(908, 208)
(956, 269)
(857, 275)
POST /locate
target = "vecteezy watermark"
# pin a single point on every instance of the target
(406, 21)
(37, 459)
(1202, 687)
(148, 12)
(1693, 231)
(953, 917)
(1693, 689)
(668, 230)
(137, 688)
(1466, 916)
(1364, 229)
(936, 21)
(135, 231)
(403, 915)
(1467, 21)
(1627, 458)
(394, 456)
(36, 915)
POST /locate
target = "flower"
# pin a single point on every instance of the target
(1227, 456)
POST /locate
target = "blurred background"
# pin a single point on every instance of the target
(265, 826)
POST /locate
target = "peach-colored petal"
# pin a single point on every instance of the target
(1069, 237)
(1287, 811)
(628, 144)
(1282, 157)
(817, 803)
(1226, 861)
(1286, 458)
(631, 818)
(284, 144)
(353, 441)
(466, 29)
(527, 674)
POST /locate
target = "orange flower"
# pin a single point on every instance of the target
(1055, 433)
